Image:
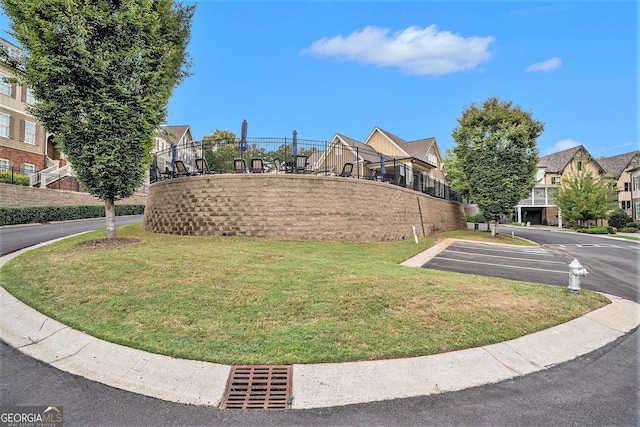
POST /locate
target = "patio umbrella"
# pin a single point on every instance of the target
(242, 145)
(294, 144)
(383, 170)
(174, 155)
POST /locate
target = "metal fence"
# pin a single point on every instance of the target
(286, 155)
(16, 175)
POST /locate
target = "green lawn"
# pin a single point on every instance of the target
(258, 301)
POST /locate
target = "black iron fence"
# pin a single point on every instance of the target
(286, 155)
(15, 175)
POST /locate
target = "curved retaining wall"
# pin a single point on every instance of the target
(295, 207)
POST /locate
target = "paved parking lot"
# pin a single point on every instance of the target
(509, 262)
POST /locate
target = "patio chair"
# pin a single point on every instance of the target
(257, 165)
(239, 166)
(181, 169)
(301, 164)
(277, 165)
(201, 166)
(347, 170)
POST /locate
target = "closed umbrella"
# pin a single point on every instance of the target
(294, 144)
(383, 170)
(174, 155)
(242, 145)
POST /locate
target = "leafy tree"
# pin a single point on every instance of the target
(220, 149)
(497, 155)
(583, 197)
(455, 174)
(102, 72)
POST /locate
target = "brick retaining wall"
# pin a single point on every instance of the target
(297, 207)
(18, 196)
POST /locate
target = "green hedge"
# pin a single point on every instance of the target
(6, 178)
(597, 230)
(37, 214)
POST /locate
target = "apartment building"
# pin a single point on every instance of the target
(23, 148)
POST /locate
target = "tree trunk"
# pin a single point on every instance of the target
(110, 216)
(495, 227)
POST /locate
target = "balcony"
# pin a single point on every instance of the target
(540, 196)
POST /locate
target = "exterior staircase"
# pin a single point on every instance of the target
(52, 173)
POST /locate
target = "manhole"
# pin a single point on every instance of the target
(258, 387)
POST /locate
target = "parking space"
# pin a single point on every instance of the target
(525, 264)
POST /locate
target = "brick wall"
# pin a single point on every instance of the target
(69, 183)
(17, 196)
(19, 157)
(303, 207)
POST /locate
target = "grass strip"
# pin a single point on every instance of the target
(243, 300)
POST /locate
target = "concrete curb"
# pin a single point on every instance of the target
(314, 385)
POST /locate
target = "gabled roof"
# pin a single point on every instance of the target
(418, 149)
(178, 131)
(364, 151)
(557, 162)
(616, 165)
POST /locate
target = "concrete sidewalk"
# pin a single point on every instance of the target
(314, 385)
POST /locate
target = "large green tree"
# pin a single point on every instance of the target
(220, 148)
(455, 174)
(102, 72)
(496, 155)
(583, 197)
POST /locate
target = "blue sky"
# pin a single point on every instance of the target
(324, 67)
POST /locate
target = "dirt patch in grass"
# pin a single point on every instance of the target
(101, 243)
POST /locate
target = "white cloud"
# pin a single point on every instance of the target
(547, 65)
(564, 144)
(414, 50)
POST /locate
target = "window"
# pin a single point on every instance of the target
(338, 149)
(30, 133)
(5, 125)
(28, 168)
(432, 159)
(555, 181)
(579, 166)
(4, 165)
(30, 98)
(5, 87)
(626, 204)
(636, 183)
(627, 186)
(637, 210)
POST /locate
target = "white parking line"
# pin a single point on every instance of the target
(487, 248)
(501, 265)
(504, 257)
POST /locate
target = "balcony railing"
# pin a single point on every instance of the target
(322, 158)
(540, 196)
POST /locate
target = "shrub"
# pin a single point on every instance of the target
(7, 178)
(596, 230)
(478, 218)
(36, 214)
(634, 225)
(619, 218)
(470, 218)
(628, 230)
(517, 224)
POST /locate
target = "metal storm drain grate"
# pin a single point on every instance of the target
(258, 387)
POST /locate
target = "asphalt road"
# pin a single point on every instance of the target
(13, 238)
(613, 264)
(600, 388)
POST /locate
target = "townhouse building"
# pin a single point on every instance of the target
(23, 147)
(539, 207)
